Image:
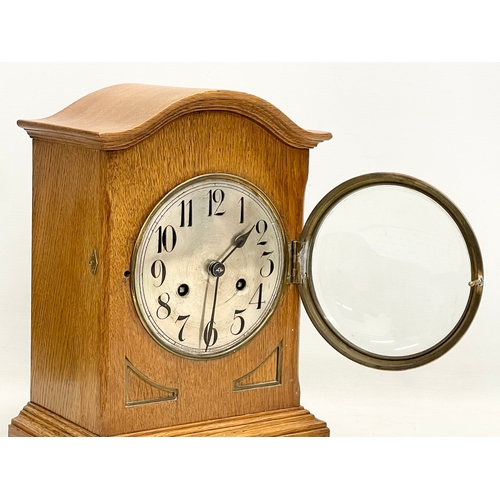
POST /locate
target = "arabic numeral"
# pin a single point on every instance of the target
(237, 316)
(261, 228)
(163, 312)
(186, 213)
(167, 239)
(210, 335)
(159, 270)
(242, 210)
(257, 298)
(265, 273)
(185, 319)
(215, 199)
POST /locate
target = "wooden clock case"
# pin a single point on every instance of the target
(99, 168)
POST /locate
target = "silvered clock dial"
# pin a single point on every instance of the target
(209, 265)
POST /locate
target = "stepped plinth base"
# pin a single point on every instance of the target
(35, 421)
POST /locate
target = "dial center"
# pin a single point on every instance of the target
(217, 269)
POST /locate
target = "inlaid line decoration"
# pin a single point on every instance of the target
(267, 374)
(140, 390)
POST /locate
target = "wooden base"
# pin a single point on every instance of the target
(35, 421)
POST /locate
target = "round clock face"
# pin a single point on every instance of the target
(208, 267)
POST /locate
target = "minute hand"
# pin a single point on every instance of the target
(209, 329)
(239, 241)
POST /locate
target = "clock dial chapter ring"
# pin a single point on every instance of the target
(209, 266)
(392, 271)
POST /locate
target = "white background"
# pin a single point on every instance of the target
(438, 122)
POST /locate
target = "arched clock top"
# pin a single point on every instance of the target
(123, 115)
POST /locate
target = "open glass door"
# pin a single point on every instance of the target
(392, 273)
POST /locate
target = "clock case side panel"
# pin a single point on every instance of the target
(192, 145)
(68, 307)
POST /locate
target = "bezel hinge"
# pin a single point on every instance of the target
(295, 274)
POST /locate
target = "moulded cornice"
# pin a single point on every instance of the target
(121, 116)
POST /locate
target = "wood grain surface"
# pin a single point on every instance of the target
(34, 421)
(120, 116)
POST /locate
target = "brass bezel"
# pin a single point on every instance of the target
(282, 281)
(309, 298)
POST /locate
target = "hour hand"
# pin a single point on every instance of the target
(239, 241)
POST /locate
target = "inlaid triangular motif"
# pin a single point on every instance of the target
(267, 374)
(139, 389)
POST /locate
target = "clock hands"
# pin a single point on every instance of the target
(217, 269)
(209, 330)
(239, 241)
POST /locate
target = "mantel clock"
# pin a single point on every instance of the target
(169, 261)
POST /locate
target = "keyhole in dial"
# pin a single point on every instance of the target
(183, 290)
(241, 284)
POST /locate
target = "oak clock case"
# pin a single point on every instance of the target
(178, 310)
